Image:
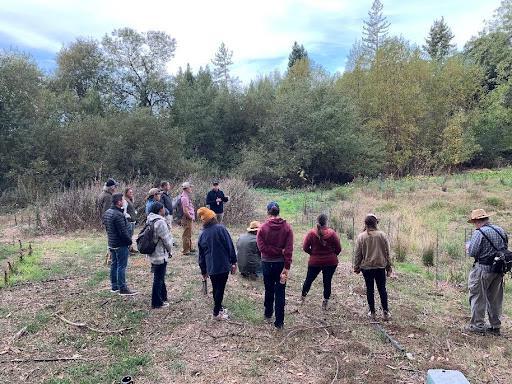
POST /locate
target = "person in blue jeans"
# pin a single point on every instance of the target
(275, 242)
(119, 241)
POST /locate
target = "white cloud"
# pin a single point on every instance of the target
(258, 32)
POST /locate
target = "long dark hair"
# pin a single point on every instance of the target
(321, 226)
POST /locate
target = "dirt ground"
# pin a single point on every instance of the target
(182, 344)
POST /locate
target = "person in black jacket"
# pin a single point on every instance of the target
(119, 239)
(217, 257)
(215, 200)
(166, 200)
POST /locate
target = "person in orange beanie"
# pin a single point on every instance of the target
(217, 257)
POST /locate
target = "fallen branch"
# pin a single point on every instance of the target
(307, 329)
(84, 325)
(41, 359)
(393, 342)
(337, 370)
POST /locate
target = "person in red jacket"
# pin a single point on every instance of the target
(323, 246)
(275, 242)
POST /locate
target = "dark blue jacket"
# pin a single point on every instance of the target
(216, 250)
(211, 200)
(117, 228)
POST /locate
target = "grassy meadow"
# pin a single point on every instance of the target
(426, 221)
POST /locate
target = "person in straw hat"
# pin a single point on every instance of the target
(249, 255)
(217, 257)
(154, 194)
(485, 286)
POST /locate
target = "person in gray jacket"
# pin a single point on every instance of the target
(249, 256)
(485, 284)
(160, 257)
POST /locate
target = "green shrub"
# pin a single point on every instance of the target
(427, 256)
(454, 250)
(495, 202)
(400, 252)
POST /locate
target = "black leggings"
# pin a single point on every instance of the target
(327, 274)
(379, 276)
(218, 286)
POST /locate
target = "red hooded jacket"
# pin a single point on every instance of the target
(275, 241)
(322, 253)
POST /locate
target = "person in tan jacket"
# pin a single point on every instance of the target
(373, 260)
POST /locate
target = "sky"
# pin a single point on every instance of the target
(260, 33)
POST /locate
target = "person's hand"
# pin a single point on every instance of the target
(233, 269)
(389, 272)
(205, 276)
(357, 270)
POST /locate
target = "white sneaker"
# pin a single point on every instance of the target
(221, 316)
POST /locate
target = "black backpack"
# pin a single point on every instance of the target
(502, 261)
(145, 239)
(177, 207)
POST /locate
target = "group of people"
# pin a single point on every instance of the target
(266, 250)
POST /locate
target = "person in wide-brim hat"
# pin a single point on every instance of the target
(254, 226)
(479, 214)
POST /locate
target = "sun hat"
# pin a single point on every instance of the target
(253, 226)
(154, 191)
(206, 214)
(111, 183)
(186, 184)
(478, 214)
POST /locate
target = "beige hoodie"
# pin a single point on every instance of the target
(372, 250)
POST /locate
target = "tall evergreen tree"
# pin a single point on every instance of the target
(438, 43)
(221, 63)
(298, 53)
(375, 29)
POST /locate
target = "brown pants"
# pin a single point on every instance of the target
(187, 234)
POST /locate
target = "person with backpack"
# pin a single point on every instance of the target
(119, 240)
(215, 200)
(372, 258)
(485, 281)
(217, 257)
(187, 208)
(323, 246)
(157, 238)
(275, 242)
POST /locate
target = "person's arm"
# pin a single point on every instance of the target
(210, 199)
(225, 199)
(306, 244)
(358, 255)
(231, 248)
(387, 253)
(337, 243)
(165, 235)
(202, 257)
(185, 201)
(122, 229)
(474, 244)
(288, 250)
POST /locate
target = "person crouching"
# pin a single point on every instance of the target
(160, 256)
(217, 257)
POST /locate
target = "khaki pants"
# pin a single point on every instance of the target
(485, 295)
(187, 234)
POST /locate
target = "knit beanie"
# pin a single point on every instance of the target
(206, 215)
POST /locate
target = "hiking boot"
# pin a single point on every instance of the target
(164, 305)
(493, 331)
(386, 316)
(279, 327)
(222, 316)
(472, 329)
(371, 316)
(324, 304)
(114, 290)
(267, 320)
(127, 292)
